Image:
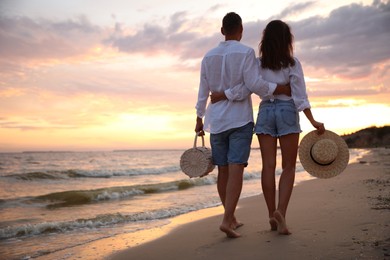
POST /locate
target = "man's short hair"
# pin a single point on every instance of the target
(231, 23)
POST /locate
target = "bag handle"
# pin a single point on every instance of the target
(196, 137)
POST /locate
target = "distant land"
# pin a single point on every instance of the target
(369, 138)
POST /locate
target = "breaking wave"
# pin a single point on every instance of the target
(73, 173)
(96, 222)
(82, 197)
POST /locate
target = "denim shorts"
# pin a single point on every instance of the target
(232, 146)
(277, 118)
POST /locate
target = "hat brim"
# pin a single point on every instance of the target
(323, 171)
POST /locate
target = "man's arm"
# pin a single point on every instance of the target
(203, 94)
(219, 96)
(253, 83)
(199, 126)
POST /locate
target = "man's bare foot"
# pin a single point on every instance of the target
(273, 223)
(236, 224)
(282, 227)
(229, 232)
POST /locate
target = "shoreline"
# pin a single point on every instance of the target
(337, 218)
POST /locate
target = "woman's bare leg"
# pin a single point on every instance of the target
(289, 149)
(268, 148)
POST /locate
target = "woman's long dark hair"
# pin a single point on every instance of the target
(276, 46)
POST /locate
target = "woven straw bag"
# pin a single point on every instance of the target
(197, 161)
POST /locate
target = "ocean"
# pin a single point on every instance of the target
(52, 201)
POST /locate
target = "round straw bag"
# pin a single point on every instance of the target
(197, 161)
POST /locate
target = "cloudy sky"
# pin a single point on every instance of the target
(123, 74)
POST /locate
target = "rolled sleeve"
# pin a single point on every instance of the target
(298, 87)
(231, 96)
(271, 89)
(237, 93)
(302, 104)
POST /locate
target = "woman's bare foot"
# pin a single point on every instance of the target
(273, 223)
(282, 227)
(229, 232)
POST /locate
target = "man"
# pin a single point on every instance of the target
(230, 123)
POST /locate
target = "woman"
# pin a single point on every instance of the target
(278, 118)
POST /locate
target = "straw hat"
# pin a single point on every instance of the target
(323, 156)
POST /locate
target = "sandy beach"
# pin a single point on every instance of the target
(345, 217)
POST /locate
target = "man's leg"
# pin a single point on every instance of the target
(239, 141)
(223, 175)
(233, 192)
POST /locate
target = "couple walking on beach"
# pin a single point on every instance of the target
(230, 73)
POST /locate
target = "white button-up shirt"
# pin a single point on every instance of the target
(231, 63)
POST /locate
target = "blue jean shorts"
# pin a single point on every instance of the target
(232, 146)
(277, 118)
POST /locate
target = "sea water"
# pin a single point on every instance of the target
(51, 201)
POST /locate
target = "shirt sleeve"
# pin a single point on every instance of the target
(237, 93)
(203, 93)
(298, 87)
(252, 78)
(253, 82)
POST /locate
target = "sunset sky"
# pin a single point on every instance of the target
(123, 74)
